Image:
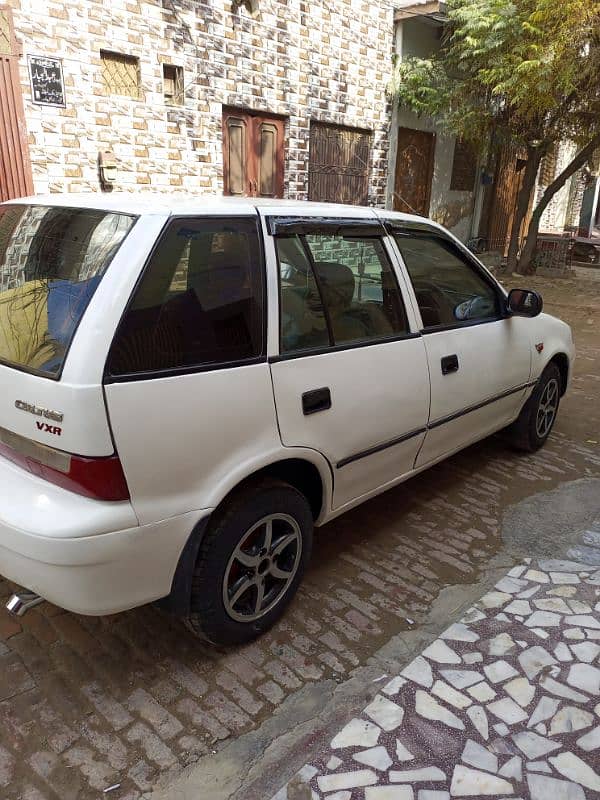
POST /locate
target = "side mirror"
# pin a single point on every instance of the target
(524, 303)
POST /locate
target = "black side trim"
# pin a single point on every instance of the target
(171, 372)
(289, 226)
(379, 447)
(319, 351)
(399, 439)
(477, 406)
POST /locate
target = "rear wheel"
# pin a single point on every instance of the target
(250, 563)
(536, 420)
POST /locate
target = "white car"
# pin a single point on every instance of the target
(187, 387)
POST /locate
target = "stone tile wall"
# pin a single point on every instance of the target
(325, 61)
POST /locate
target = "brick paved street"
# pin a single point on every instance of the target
(87, 703)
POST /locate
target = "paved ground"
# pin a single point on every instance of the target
(506, 702)
(132, 699)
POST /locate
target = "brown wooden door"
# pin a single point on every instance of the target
(15, 168)
(414, 171)
(508, 180)
(253, 147)
(339, 159)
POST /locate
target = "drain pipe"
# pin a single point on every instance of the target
(21, 602)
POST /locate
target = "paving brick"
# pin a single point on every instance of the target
(271, 691)
(161, 720)
(7, 766)
(155, 750)
(8, 626)
(201, 718)
(14, 676)
(239, 693)
(186, 678)
(115, 713)
(142, 774)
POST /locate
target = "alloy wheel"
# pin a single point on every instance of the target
(547, 407)
(262, 567)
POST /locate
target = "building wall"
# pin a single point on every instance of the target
(455, 209)
(557, 215)
(326, 61)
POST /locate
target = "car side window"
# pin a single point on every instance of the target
(449, 290)
(199, 303)
(336, 290)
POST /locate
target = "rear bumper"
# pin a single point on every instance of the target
(84, 555)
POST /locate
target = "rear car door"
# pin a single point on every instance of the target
(187, 382)
(350, 378)
(479, 357)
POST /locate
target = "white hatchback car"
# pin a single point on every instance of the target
(188, 387)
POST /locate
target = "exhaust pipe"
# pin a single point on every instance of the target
(20, 603)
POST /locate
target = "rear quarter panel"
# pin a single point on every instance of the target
(78, 395)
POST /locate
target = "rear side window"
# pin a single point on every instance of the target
(51, 262)
(336, 290)
(199, 303)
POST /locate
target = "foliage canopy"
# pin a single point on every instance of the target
(527, 69)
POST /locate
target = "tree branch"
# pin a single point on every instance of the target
(576, 163)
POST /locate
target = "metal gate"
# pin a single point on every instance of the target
(15, 168)
(338, 170)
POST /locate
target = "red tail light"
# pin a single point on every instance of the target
(100, 478)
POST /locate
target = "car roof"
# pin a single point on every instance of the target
(148, 203)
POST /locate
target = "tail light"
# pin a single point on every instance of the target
(100, 478)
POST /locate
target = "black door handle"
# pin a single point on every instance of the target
(449, 364)
(316, 400)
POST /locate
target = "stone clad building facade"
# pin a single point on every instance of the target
(268, 97)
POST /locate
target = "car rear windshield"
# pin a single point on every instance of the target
(51, 262)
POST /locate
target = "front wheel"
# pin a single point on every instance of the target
(250, 563)
(533, 425)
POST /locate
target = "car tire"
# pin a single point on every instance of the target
(536, 420)
(258, 546)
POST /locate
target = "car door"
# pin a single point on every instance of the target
(350, 375)
(188, 387)
(479, 357)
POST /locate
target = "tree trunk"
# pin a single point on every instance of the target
(534, 158)
(526, 265)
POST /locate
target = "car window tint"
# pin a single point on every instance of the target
(199, 302)
(301, 317)
(350, 277)
(449, 290)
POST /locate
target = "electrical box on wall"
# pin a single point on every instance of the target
(107, 169)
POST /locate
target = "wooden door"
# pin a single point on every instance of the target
(339, 160)
(15, 168)
(508, 180)
(253, 147)
(414, 171)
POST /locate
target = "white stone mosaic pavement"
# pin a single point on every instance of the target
(504, 704)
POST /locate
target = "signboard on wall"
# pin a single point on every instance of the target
(46, 78)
